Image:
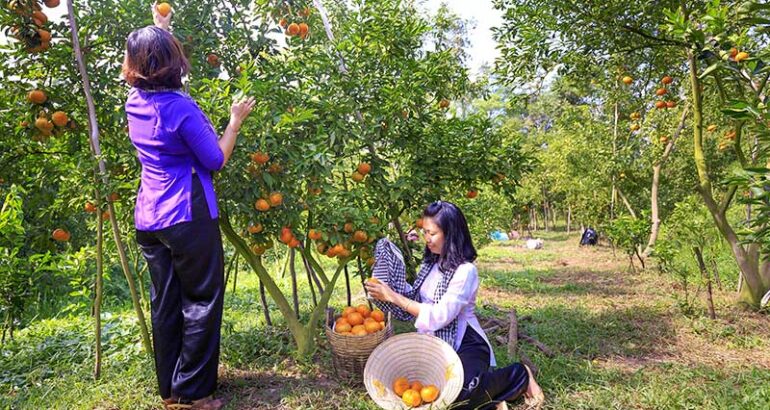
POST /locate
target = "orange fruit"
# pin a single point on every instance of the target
(260, 157)
(51, 3)
(293, 29)
(303, 30)
(412, 398)
(60, 235)
(40, 18)
(372, 327)
(43, 124)
(305, 12)
(276, 198)
(472, 194)
(163, 9)
(627, 80)
(382, 325)
(660, 104)
(667, 80)
(741, 56)
(286, 235)
(711, 128)
(360, 236)
(733, 52)
(45, 35)
(294, 243)
(364, 168)
(377, 314)
(283, 23)
(59, 118)
(343, 327)
(262, 205)
(416, 385)
(255, 228)
(90, 208)
(355, 319)
(444, 103)
(341, 320)
(400, 385)
(213, 60)
(258, 250)
(36, 97)
(370, 261)
(429, 393)
(363, 310)
(356, 176)
(359, 330)
(419, 223)
(348, 310)
(661, 92)
(670, 104)
(314, 234)
(664, 139)
(348, 228)
(114, 197)
(274, 168)
(105, 215)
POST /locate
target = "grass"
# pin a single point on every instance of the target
(622, 341)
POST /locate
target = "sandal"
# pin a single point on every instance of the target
(174, 403)
(207, 403)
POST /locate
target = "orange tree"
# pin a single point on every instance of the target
(330, 160)
(716, 46)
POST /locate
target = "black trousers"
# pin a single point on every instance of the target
(186, 263)
(484, 389)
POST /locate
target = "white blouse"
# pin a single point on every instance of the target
(458, 301)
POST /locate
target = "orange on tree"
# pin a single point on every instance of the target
(356, 176)
(293, 29)
(286, 235)
(660, 104)
(36, 97)
(667, 80)
(51, 3)
(276, 198)
(114, 197)
(472, 194)
(213, 60)
(663, 139)
(283, 23)
(60, 235)
(314, 234)
(90, 208)
(39, 18)
(163, 9)
(59, 118)
(262, 205)
(43, 124)
(670, 104)
(255, 228)
(635, 127)
(275, 168)
(712, 128)
(733, 52)
(627, 80)
(44, 35)
(303, 30)
(741, 56)
(419, 223)
(412, 398)
(429, 393)
(661, 92)
(364, 168)
(260, 157)
(348, 227)
(360, 237)
(444, 103)
(294, 243)
(400, 385)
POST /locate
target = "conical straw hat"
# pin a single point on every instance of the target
(418, 357)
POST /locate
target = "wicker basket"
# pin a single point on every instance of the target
(350, 353)
(417, 357)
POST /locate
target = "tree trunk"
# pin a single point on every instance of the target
(99, 285)
(569, 219)
(707, 278)
(265, 308)
(293, 273)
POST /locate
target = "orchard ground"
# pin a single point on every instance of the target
(621, 341)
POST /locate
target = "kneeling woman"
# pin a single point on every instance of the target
(442, 299)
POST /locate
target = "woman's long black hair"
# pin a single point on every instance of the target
(458, 245)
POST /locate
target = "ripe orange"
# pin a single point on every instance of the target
(213, 60)
(363, 310)
(416, 385)
(635, 127)
(276, 198)
(444, 103)
(260, 157)
(293, 29)
(355, 319)
(39, 18)
(51, 3)
(364, 168)
(59, 118)
(359, 330)
(274, 168)
(660, 104)
(661, 92)
(258, 250)
(348, 310)
(293, 243)
(370, 261)
(664, 139)
(90, 208)
(163, 9)
(60, 235)
(627, 80)
(348, 227)
(356, 176)
(373, 280)
(377, 314)
(400, 385)
(667, 80)
(733, 52)
(741, 56)
(253, 229)
(360, 236)
(342, 327)
(303, 30)
(372, 327)
(283, 23)
(262, 205)
(411, 398)
(45, 35)
(670, 104)
(472, 194)
(43, 124)
(36, 97)
(305, 12)
(429, 393)
(105, 215)
(286, 235)
(382, 324)
(711, 128)
(314, 234)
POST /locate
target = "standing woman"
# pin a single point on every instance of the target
(443, 299)
(176, 213)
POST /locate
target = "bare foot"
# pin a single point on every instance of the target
(533, 397)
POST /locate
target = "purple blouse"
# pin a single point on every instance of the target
(172, 137)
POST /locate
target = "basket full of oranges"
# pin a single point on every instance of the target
(353, 335)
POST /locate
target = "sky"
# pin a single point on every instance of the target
(480, 13)
(483, 17)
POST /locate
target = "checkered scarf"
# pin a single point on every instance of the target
(389, 267)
